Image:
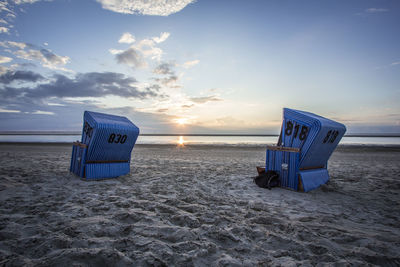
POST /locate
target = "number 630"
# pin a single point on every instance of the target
(120, 138)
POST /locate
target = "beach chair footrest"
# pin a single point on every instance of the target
(312, 179)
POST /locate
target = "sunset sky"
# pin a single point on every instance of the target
(183, 66)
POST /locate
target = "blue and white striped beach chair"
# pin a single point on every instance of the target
(305, 144)
(105, 148)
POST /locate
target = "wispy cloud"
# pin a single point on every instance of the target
(204, 99)
(11, 44)
(393, 64)
(5, 59)
(8, 14)
(376, 10)
(30, 52)
(145, 7)
(19, 2)
(4, 30)
(163, 36)
(189, 64)
(187, 106)
(41, 112)
(9, 111)
(372, 10)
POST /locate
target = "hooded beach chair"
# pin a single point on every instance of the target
(105, 148)
(305, 144)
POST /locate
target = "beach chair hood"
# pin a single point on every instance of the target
(109, 137)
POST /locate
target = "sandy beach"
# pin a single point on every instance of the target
(196, 206)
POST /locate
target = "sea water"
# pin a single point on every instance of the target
(186, 140)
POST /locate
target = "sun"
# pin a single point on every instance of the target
(181, 121)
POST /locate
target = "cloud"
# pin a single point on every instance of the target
(149, 49)
(135, 55)
(126, 38)
(163, 36)
(205, 99)
(393, 64)
(169, 81)
(115, 51)
(41, 112)
(189, 64)
(55, 104)
(20, 2)
(46, 57)
(376, 10)
(23, 65)
(8, 14)
(11, 44)
(4, 7)
(9, 111)
(3, 69)
(5, 59)
(131, 57)
(164, 68)
(145, 7)
(187, 106)
(153, 87)
(20, 75)
(4, 30)
(92, 84)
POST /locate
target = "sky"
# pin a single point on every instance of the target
(205, 66)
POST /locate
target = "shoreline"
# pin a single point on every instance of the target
(340, 147)
(74, 133)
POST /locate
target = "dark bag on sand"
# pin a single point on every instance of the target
(267, 179)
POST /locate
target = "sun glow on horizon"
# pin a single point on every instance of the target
(181, 121)
(181, 141)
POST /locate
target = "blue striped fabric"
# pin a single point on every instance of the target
(286, 164)
(106, 170)
(109, 140)
(77, 160)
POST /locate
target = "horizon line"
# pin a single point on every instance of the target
(189, 134)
